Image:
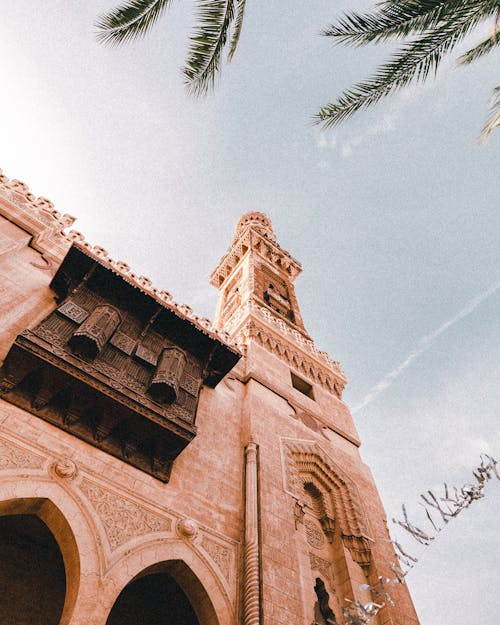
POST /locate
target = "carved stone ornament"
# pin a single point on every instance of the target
(65, 468)
(122, 519)
(313, 534)
(328, 526)
(11, 457)
(299, 513)
(219, 554)
(299, 353)
(321, 565)
(187, 528)
(359, 548)
(306, 462)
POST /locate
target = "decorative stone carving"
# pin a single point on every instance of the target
(12, 457)
(313, 534)
(299, 513)
(307, 463)
(321, 565)
(298, 360)
(359, 548)
(219, 554)
(65, 468)
(187, 528)
(328, 526)
(122, 520)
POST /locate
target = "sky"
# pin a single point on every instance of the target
(394, 216)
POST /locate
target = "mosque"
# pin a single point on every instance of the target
(156, 469)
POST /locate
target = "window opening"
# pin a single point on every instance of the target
(301, 385)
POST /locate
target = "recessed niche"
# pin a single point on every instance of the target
(301, 385)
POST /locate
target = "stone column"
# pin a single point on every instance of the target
(251, 594)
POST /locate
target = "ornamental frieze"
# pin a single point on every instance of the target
(13, 457)
(122, 519)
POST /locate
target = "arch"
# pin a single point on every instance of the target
(58, 528)
(178, 559)
(69, 523)
(308, 464)
(178, 592)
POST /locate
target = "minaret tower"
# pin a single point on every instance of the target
(257, 301)
(315, 530)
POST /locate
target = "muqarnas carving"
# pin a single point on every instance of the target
(115, 365)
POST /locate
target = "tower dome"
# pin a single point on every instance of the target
(259, 222)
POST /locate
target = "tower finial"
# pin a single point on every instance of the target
(258, 221)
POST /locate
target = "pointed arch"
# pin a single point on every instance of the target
(307, 464)
(185, 565)
(56, 525)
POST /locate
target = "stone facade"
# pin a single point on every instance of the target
(266, 515)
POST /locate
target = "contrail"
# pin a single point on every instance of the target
(423, 345)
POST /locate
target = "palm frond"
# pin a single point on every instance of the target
(238, 23)
(413, 62)
(397, 20)
(203, 63)
(479, 50)
(494, 119)
(130, 21)
(390, 21)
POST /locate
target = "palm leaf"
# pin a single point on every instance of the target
(390, 21)
(397, 20)
(238, 23)
(130, 21)
(494, 119)
(413, 62)
(203, 63)
(479, 50)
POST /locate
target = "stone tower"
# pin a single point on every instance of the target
(323, 533)
(156, 469)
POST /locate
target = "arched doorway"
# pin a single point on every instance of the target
(32, 572)
(152, 599)
(39, 563)
(165, 593)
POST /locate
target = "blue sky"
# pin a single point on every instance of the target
(394, 216)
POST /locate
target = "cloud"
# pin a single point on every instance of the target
(423, 345)
(324, 141)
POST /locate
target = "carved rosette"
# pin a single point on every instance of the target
(64, 468)
(187, 528)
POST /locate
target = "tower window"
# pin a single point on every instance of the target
(301, 385)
